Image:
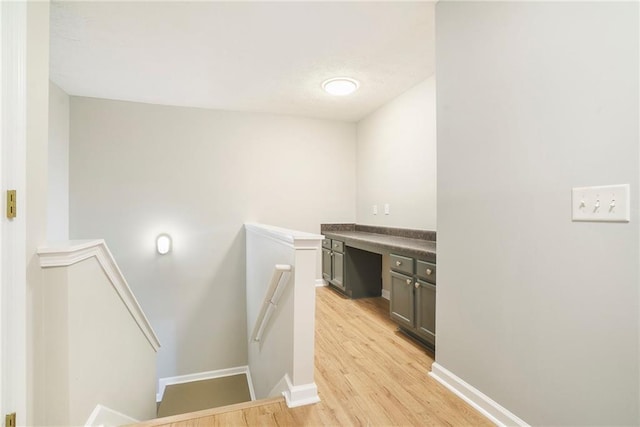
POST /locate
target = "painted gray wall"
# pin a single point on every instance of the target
(397, 164)
(534, 310)
(396, 158)
(58, 166)
(137, 170)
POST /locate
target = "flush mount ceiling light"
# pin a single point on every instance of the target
(340, 86)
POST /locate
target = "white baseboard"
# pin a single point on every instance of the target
(386, 294)
(300, 395)
(103, 416)
(252, 392)
(320, 283)
(280, 388)
(474, 397)
(164, 382)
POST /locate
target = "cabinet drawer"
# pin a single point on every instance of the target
(426, 270)
(337, 246)
(402, 264)
(326, 243)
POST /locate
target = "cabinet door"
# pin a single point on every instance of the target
(426, 311)
(402, 299)
(326, 264)
(338, 270)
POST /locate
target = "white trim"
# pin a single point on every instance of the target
(474, 397)
(386, 294)
(71, 252)
(320, 283)
(3, 299)
(300, 395)
(208, 375)
(14, 394)
(64, 254)
(279, 389)
(103, 416)
(252, 392)
(298, 240)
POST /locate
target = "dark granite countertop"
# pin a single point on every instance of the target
(384, 241)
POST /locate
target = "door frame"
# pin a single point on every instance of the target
(13, 287)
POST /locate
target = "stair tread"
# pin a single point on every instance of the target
(209, 393)
(209, 412)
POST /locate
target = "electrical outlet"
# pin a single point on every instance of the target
(387, 210)
(607, 203)
(375, 209)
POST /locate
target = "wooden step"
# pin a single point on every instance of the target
(204, 394)
(209, 412)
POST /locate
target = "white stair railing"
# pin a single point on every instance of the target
(270, 302)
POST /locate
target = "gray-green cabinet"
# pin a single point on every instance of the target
(413, 297)
(333, 262)
(326, 264)
(426, 310)
(355, 272)
(402, 299)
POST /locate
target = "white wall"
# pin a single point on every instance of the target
(96, 353)
(137, 170)
(272, 358)
(396, 161)
(287, 343)
(58, 166)
(536, 311)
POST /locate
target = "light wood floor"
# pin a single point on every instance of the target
(367, 374)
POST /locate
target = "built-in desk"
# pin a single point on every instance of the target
(352, 262)
(364, 270)
(385, 243)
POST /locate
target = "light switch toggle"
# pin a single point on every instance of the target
(587, 203)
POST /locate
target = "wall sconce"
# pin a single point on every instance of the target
(163, 244)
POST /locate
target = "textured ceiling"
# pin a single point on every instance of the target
(243, 56)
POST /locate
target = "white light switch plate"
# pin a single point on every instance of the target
(386, 209)
(608, 203)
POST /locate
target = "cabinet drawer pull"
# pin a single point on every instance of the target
(408, 281)
(429, 272)
(417, 285)
(398, 263)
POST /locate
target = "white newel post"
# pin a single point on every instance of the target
(282, 362)
(304, 390)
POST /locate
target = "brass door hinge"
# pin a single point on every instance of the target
(10, 420)
(11, 203)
